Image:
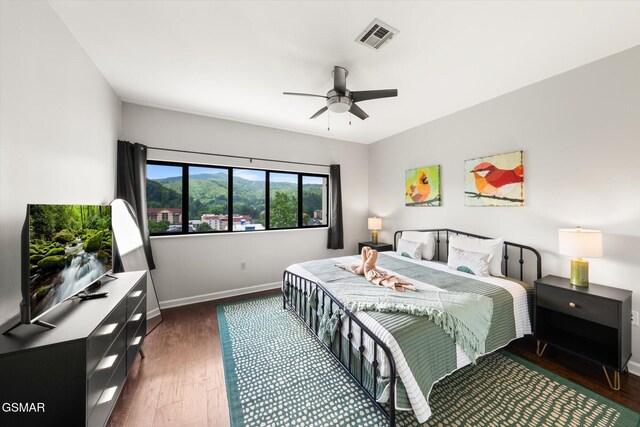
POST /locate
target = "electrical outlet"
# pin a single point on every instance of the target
(635, 319)
(243, 266)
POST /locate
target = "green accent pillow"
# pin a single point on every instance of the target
(465, 269)
(405, 254)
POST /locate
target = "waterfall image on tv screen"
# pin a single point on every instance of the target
(69, 249)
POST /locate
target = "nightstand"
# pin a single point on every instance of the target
(377, 246)
(592, 322)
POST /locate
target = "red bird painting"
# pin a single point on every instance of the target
(495, 180)
(492, 181)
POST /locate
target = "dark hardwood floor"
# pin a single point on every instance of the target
(181, 380)
(580, 371)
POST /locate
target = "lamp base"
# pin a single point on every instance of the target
(374, 236)
(579, 272)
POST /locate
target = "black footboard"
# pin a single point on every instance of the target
(297, 291)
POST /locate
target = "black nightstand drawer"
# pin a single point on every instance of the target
(583, 306)
(377, 246)
(591, 322)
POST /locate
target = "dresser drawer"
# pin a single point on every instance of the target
(100, 340)
(138, 316)
(136, 343)
(583, 306)
(105, 369)
(135, 295)
(102, 410)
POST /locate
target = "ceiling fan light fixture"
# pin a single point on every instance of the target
(339, 104)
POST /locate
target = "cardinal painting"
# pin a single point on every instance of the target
(422, 186)
(495, 180)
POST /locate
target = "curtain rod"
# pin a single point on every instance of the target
(238, 157)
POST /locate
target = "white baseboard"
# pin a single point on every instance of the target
(213, 296)
(634, 368)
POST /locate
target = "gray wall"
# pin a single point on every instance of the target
(196, 268)
(59, 125)
(580, 132)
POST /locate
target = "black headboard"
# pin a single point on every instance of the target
(445, 232)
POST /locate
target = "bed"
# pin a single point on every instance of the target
(395, 358)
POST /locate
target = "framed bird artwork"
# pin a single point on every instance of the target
(422, 186)
(494, 180)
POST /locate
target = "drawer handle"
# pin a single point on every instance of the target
(107, 395)
(135, 294)
(107, 329)
(572, 304)
(107, 362)
(136, 317)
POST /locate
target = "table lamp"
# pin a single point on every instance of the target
(579, 243)
(375, 224)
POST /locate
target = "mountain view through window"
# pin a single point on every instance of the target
(210, 191)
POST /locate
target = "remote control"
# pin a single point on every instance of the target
(93, 295)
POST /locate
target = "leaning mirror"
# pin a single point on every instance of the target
(130, 248)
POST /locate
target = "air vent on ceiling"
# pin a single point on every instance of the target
(376, 35)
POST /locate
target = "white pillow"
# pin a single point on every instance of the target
(410, 249)
(485, 246)
(469, 262)
(427, 239)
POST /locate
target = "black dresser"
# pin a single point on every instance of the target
(592, 322)
(75, 372)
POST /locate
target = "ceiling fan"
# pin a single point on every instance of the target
(340, 100)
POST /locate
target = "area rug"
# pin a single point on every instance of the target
(278, 374)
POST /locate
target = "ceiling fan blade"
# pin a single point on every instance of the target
(303, 94)
(340, 80)
(364, 95)
(319, 112)
(357, 111)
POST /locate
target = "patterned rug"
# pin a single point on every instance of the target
(278, 374)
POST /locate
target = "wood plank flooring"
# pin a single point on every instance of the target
(181, 380)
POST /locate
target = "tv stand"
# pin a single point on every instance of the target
(44, 324)
(78, 369)
(22, 322)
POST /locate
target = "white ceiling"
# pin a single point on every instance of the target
(233, 59)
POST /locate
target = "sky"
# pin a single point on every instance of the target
(162, 171)
(249, 174)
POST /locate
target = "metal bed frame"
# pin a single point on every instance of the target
(296, 293)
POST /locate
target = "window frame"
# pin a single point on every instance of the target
(185, 198)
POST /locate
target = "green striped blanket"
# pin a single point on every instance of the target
(423, 350)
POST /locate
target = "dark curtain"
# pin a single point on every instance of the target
(335, 240)
(131, 185)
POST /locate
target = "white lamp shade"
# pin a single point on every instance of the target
(580, 243)
(375, 223)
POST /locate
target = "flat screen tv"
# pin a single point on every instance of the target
(68, 249)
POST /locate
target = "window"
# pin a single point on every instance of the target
(283, 200)
(314, 200)
(208, 198)
(164, 198)
(223, 199)
(249, 199)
